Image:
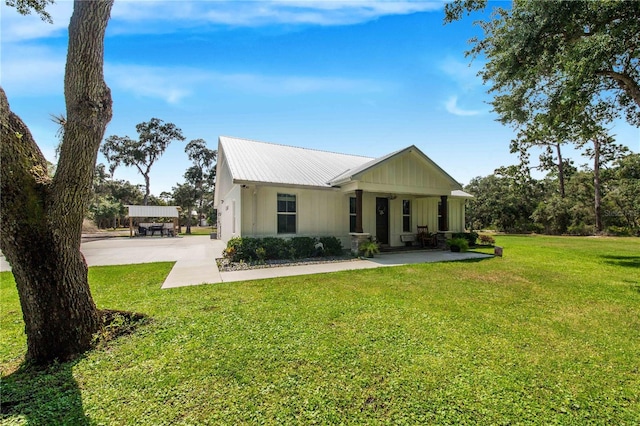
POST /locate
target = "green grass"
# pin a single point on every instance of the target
(548, 334)
(198, 230)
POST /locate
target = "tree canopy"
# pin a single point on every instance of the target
(154, 137)
(25, 7)
(559, 56)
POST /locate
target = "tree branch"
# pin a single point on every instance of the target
(625, 82)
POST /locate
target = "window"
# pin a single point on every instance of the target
(286, 214)
(352, 214)
(406, 216)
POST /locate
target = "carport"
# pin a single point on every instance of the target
(154, 212)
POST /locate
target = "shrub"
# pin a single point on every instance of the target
(261, 253)
(302, 247)
(470, 237)
(234, 250)
(276, 248)
(580, 229)
(369, 248)
(487, 240)
(241, 249)
(620, 231)
(247, 249)
(458, 243)
(332, 246)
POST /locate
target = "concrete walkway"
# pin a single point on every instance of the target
(381, 260)
(195, 259)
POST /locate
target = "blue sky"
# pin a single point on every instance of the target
(358, 77)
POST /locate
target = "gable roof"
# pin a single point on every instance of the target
(358, 171)
(253, 161)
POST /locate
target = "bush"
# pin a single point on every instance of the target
(241, 249)
(332, 246)
(458, 243)
(369, 248)
(621, 231)
(302, 247)
(247, 249)
(233, 252)
(487, 240)
(275, 248)
(580, 229)
(471, 237)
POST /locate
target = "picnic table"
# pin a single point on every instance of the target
(151, 229)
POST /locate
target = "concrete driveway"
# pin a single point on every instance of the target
(196, 253)
(195, 259)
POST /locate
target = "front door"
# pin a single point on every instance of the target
(382, 220)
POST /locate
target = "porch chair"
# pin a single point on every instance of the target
(425, 238)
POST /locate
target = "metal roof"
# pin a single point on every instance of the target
(349, 174)
(253, 161)
(153, 211)
(461, 194)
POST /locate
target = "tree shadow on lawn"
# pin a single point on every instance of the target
(626, 261)
(51, 395)
(48, 395)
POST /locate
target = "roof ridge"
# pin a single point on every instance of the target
(297, 147)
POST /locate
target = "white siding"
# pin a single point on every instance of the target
(229, 214)
(318, 212)
(406, 174)
(456, 215)
(224, 180)
(326, 213)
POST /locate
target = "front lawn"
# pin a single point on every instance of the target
(198, 230)
(548, 334)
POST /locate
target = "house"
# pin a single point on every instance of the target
(265, 189)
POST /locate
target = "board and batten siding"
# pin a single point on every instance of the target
(326, 213)
(406, 174)
(456, 214)
(318, 212)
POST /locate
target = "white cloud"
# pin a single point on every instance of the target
(465, 74)
(167, 16)
(28, 70)
(148, 16)
(175, 84)
(169, 85)
(16, 27)
(451, 105)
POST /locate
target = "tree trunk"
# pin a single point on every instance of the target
(560, 171)
(41, 218)
(147, 188)
(189, 221)
(596, 184)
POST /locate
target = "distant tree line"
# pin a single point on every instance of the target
(510, 200)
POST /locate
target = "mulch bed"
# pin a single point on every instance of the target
(224, 265)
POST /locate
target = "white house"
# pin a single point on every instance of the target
(265, 189)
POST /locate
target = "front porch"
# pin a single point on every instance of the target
(403, 221)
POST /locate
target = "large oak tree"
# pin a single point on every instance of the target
(553, 55)
(154, 137)
(41, 216)
(560, 71)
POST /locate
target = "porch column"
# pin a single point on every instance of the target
(443, 214)
(358, 211)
